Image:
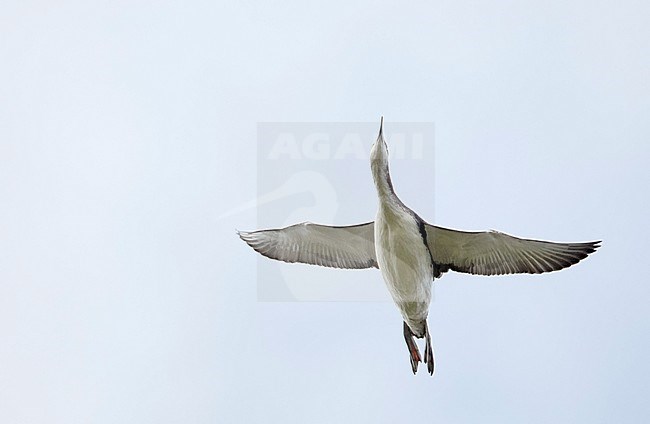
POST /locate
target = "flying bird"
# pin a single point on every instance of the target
(411, 253)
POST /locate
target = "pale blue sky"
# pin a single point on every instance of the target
(128, 128)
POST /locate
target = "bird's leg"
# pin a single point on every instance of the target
(428, 351)
(413, 348)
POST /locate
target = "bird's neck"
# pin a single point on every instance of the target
(383, 183)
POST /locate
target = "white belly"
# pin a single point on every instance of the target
(405, 264)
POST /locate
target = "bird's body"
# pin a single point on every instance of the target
(405, 264)
(410, 253)
(401, 247)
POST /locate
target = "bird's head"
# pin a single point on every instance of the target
(379, 151)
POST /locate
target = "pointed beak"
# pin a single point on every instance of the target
(381, 128)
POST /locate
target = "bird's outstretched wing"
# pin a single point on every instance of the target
(351, 247)
(495, 253)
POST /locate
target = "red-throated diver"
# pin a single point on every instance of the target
(410, 253)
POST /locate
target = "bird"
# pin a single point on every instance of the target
(411, 253)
